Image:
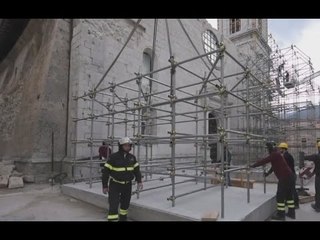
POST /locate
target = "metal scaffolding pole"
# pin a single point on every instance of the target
(91, 137)
(222, 132)
(247, 136)
(172, 97)
(126, 117)
(138, 136)
(112, 115)
(196, 139)
(205, 132)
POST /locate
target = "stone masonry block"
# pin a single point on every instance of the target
(4, 180)
(15, 182)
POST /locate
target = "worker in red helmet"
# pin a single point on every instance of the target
(285, 183)
(121, 168)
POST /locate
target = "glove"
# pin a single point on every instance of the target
(105, 190)
(140, 186)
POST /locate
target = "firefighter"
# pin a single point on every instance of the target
(118, 173)
(286, 180)
(290, 161)
(316, 159)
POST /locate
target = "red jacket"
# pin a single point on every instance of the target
(279, 165)
(104, 151)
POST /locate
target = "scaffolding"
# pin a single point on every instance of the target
(245, 116)
(296, 103)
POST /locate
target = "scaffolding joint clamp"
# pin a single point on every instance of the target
(172, 132)
(171, 198)
(91, 94)
(222, 90)
(172, 97)
(222, 46)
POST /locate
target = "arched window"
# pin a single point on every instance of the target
(146, 83)
(148, 116)
(210, 44)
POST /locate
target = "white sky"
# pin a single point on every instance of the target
(304, 33)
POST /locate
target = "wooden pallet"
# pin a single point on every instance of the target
(211, 216)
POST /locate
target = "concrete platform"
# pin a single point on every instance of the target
(153, 205)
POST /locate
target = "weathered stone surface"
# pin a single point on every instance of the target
(6, 169)
(15, 173)
(28, 178)
(4, 179)
(15, 182)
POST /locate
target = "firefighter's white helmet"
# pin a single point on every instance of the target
(125, 140)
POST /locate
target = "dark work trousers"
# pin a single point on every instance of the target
(317, 188)
(295, 193)
(119, 193)
(285, 196)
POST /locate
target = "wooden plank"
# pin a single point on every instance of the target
(238, 182)
(235, 182)
(307, 199)
(211, 216)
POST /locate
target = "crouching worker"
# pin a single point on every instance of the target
(117, 175)
(285, 183)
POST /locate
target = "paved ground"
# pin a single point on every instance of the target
(305, 212)
(42, 202)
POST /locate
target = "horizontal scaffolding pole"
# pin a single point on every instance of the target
(188, 193)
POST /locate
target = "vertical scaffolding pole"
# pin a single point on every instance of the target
(112, 115)
(222, 97)
(197, 132)
(74, 153)
(146, 161)
(263, 125)
(134, 129)
(108, 124)
(151, 160)
(247, 137)
(205, 138)
(173, 125)
(139, 123)
(92, 96)
(126, 117)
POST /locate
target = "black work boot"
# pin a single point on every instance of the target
(291, 213)
(122, 218)
(313, 205)
(280, 215)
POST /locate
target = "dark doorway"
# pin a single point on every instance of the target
(212, 122)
